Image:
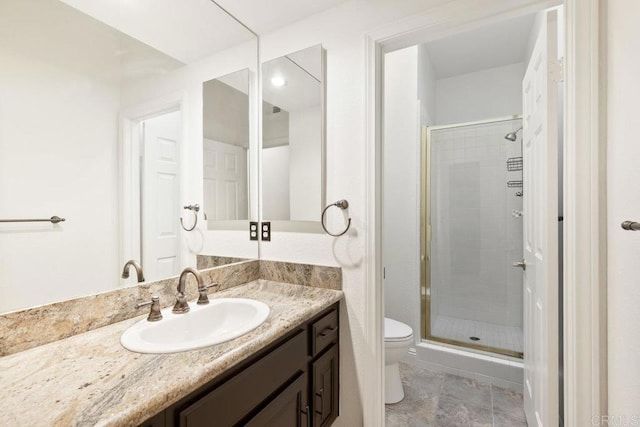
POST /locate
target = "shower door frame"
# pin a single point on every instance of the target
(425, 239)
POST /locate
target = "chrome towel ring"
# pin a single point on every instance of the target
(342, 204)
(195, 209)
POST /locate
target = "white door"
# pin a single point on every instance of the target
(161, 196)
(225, 181)
(540, 176)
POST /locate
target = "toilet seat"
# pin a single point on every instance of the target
(396, 331)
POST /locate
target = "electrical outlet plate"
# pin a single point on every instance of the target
(265, 231)
(253, 230)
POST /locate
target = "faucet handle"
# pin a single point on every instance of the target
(181, 305)
(154, 313)
(203, 298)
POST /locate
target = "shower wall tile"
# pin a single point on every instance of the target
(474, 235)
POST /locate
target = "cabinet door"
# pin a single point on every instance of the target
(155, 421)
(236, 398)
(326, 387)
(287, 409)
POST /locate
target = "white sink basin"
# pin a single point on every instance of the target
(221, 320)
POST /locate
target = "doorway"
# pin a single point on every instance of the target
(160, 244)
(151, 187)
(456, 272)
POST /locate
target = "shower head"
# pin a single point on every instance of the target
(512, 136)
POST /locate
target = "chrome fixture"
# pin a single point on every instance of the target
(631, 226)
(195, 209)
(516, 213)
(154, 313)
(181, 305)
(512, 136)
(514, 164)
(342, 204)
(136, 266)
(53, 220)
(522, 264)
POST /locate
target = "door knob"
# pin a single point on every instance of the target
(522, 264)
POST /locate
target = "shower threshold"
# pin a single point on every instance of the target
(475, 334)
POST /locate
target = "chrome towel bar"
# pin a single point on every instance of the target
(54, 220)
(631, 226)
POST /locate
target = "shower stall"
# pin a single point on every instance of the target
(471, 235)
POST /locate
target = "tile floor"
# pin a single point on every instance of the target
(498, 336)
(445, 400)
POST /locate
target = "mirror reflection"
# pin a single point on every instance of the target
(99, 117)
(293, 136)
(226, 140)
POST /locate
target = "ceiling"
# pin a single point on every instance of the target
(303, 87)
(266, 16)
(187, 30)
(494, 45)
(57, 31)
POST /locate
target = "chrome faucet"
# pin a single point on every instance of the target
(181, 305)
(138, 268)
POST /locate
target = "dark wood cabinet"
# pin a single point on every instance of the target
(325, 374)
(292, 383)
(287, 409)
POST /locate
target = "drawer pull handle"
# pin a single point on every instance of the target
(328, 331)
(306, 413)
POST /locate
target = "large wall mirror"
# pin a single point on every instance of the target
(227, 154)
(293, 132)
(102, 124)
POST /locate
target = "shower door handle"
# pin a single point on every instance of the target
(522, 264)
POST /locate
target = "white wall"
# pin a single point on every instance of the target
(426, 87)
(485, 94)
(623, 176)
(276, 204)
(59, 102)
(340, 31)
(401, 202)
(305, 168)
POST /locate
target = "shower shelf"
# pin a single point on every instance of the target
(514, 184)
(514, 164)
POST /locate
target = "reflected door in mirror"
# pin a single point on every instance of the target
(226, 141)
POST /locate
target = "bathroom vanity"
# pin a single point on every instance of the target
(285, 372)
(293, 382)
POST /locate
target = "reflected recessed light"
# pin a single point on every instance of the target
(278, 81)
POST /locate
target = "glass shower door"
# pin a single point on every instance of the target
(473, 234)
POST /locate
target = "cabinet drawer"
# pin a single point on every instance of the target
(324, 332)
(231, 401)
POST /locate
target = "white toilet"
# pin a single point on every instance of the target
(397, 340)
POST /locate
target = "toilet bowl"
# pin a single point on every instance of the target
(397, 340)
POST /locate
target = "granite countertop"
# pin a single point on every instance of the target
(90, 379)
